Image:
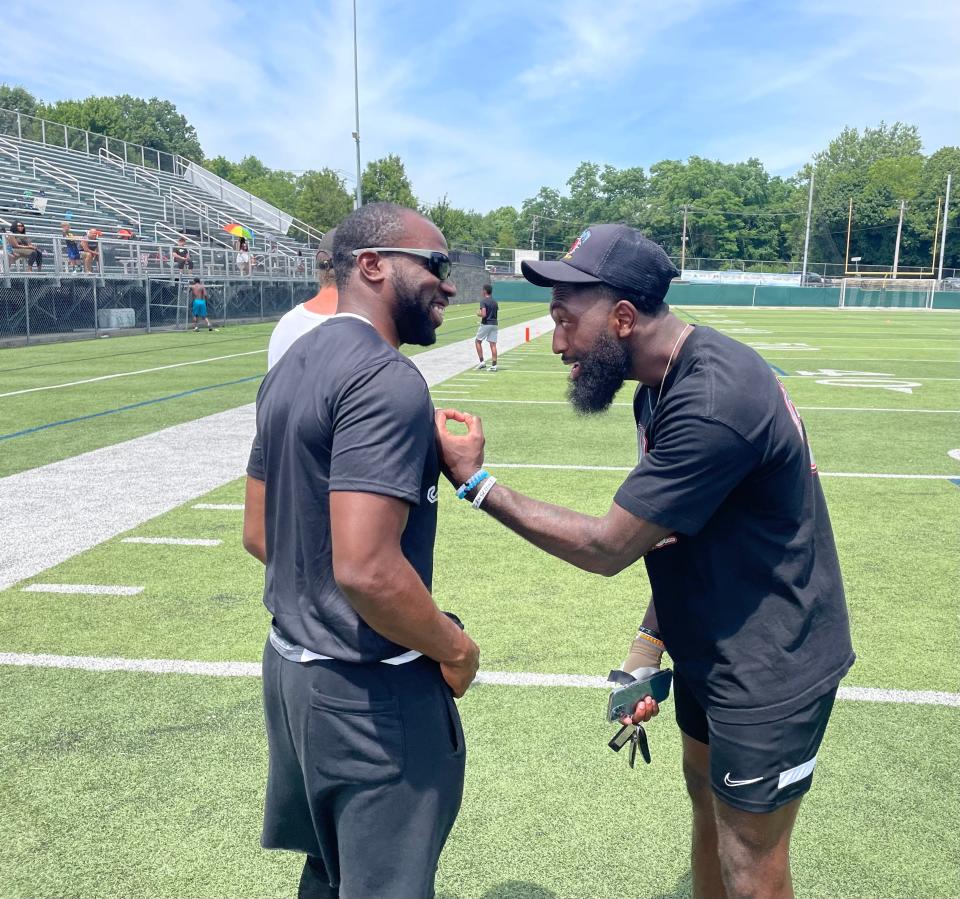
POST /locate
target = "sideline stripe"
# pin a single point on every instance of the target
(220, 507)
(88, 589)
(127, 374)
(173, 541)
(823, 474)
(490, 678)
(801, 408)
(160, 399)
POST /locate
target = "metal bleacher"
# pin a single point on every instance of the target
(141, 200)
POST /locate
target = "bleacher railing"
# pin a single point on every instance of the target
(55, 173)
(54, 134)
(108, 201)
(8, 148)
(149, 258)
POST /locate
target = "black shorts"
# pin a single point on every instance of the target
(366, 770)
(757, 767)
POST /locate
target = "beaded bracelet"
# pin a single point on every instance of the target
(483, 491)
(656, 641)
(649, 631)
(475, 480)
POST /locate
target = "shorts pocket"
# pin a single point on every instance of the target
(455, 726)
(355, 741)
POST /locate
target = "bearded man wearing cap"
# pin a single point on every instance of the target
(726, 508)
(306, 316)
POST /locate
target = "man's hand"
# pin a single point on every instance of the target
(646, 709)
(459, 675)
(461, 455)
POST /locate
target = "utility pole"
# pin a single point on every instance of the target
(846, 255)
(896, 252)
(683, 241)
(356, 102)
(533, 233)
(806, 239)
(943, 236)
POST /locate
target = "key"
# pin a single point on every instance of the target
(621, 738)
(639, 738)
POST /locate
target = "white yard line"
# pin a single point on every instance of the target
(801, 408)
(564, 373)
(173, 541)
(823, 474)
(86, 589)
(219, 507)
(488, 678)
(127, 374)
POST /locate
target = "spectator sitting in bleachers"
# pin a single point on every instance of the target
(19, 247)
(71, 248)
(180, 256)
(90, 250)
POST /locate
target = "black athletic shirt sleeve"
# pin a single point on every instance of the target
(682, 481)
(376, 446)
(255, 467)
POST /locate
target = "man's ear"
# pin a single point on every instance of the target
(371, 267)
(624, 315)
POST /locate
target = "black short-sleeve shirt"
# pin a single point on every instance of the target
(343, 410)
(747, 590)
(490, 309)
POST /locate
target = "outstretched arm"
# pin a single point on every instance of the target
(604, 545)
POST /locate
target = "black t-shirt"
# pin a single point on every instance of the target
(343, 410)
(489, 307)
(748, 592)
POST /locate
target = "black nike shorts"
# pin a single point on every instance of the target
(757, 767)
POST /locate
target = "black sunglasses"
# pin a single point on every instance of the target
(438, 264)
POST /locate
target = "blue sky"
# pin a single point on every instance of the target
(485, 102)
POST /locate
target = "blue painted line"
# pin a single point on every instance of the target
(779, 371)
(161, 399)
(955, 481)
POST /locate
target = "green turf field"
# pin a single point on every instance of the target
(98, 392)
(145, 785)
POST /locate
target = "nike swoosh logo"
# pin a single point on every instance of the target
(739, 783)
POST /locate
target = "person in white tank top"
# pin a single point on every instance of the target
(306, 316)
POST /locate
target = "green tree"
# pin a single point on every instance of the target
(385, 181)
(18, 99)
(323, 199)
(153, 123)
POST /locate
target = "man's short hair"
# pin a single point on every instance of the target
(196, 280)
(645, 305)
(487, 289)
(373, 225)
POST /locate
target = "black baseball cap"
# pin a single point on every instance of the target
(615, 255)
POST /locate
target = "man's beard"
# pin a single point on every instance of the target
(602, 373)
(412, 313)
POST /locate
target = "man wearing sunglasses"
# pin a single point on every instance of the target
(361, 667)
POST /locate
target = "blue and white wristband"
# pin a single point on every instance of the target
(475, 481)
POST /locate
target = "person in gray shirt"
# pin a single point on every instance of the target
(360, 667)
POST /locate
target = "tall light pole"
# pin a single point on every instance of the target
(356, 102)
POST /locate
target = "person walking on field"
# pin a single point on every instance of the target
(726, 508)
(487, 313)
(360, 667)
(199, 305)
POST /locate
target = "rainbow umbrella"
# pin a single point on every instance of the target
(239, 231)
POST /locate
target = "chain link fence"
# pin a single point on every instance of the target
(35, 307)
